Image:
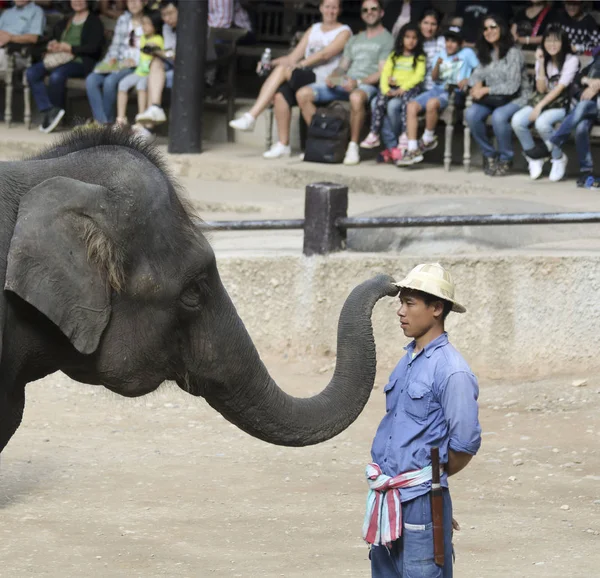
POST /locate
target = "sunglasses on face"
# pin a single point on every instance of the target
(371, 9)
(490, 27)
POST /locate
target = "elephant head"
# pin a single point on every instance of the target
(127, 294)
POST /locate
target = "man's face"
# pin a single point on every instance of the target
(452, 46)
(169, 15)
(371, 13)
(573, 8)
(416, 317)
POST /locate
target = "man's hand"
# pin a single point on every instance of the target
(457, 461)
(463, 84)
(533, 115)
(5, 38)
(349, 84)
(589, 93)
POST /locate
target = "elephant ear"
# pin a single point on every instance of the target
(63, 259)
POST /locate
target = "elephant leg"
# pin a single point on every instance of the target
(12, 404)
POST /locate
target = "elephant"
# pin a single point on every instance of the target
(108, 277)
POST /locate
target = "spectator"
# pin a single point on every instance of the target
(581, 119)
(580, 26)
(453, 68)
(401, 79)
(500, 87)
(122, 56)
(529, 24)
(228, 14)
(433, 44)
(112, 9)
(161, 69)
(473, 14)
(152, 41)
(314, 58)
(401, 12)
(22, 24)
(356, 77)
(555, 70)
(81, 36)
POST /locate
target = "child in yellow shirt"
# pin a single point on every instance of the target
(402, 76)
(150, 40)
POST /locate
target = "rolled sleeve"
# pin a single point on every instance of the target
(459, 401)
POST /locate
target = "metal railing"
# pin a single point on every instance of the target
(326, 220)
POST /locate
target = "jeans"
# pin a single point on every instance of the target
(54, 95)
(392, 123)
(324, 93)
(581, 118)
(544, 125)
(476, 115)
(412, 554)
(102, 94)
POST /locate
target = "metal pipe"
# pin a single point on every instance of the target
(253, 225)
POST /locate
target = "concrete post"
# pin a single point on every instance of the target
(187, 96)
(323, 204)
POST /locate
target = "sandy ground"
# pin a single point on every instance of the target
(96, 485)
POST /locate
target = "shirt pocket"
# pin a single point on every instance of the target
(389, 391)
(418, 400)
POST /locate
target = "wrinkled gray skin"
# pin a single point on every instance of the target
(172, 319)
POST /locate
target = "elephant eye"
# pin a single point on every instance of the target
(194, 294)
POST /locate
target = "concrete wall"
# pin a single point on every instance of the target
(528, 316)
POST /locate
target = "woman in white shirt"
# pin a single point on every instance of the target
(315, 56)
(555, 69)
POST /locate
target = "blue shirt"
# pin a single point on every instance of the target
(456, 67)
(27, 20)
(430, 400)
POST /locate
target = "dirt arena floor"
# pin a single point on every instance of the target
(98, 486)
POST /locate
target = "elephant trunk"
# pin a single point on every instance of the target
(249, 398)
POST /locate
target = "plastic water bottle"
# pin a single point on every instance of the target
(265, 62)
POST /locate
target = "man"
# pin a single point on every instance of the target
(356, 78)
(221, 14)
(22, 24)
(431, 401)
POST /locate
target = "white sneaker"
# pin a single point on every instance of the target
(277, 151)
(535, 167)
(352, 154)
(403, 142)
(153, 113)
(559, 168)
(246, 122)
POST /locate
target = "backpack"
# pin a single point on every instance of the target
(328, 135)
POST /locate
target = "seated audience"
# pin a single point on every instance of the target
(580, 26)
(555, 70)
(121, 58)
(22, 24)
(356, 78)
(313, 59)
(453, 68)
(401, 12)
(77, 40)
(401, 79)
(151, 41)
(581, 120)
(500, 87)
(529, 23)
(472, 14)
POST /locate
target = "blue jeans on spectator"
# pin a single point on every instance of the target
(476, 115)
(324, 93)
(54, 95)
(412, 554)
(102, 94)
(581, 118)
(392, 123)
(544, 124)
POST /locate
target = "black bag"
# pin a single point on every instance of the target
(495, 101)
(328, 135)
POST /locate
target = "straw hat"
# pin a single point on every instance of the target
(433, 279)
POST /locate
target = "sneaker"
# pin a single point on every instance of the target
(153, 113)
(410, 158)
(277, 151)
(403, 142)
(559, 168)
(582, 180)
(246, 122)
(372, 141)
(429, 146)
(352, 154)
(396, 153)
(489, 166)
(535, 167)
(385, 156)
(52, 119)
(502, 168)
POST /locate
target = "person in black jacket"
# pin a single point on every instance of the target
(79, 37)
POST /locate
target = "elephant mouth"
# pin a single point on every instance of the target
(192, 385)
